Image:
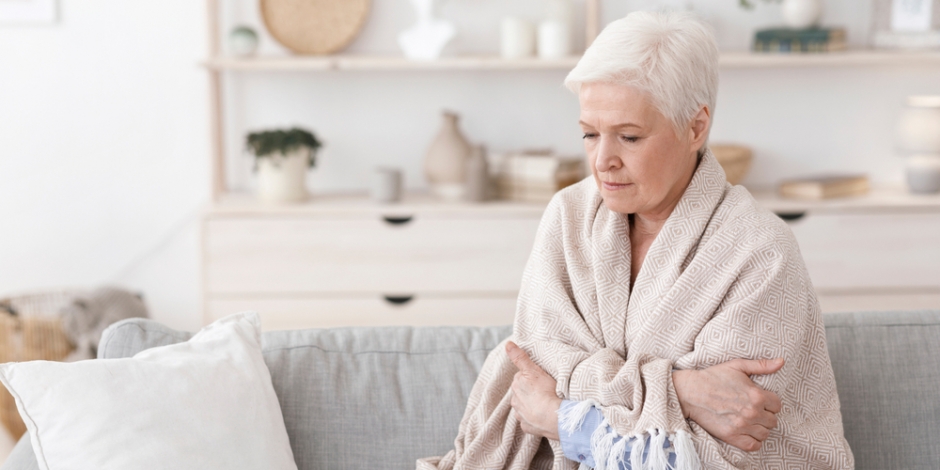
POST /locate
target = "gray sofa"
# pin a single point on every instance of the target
(378, 398)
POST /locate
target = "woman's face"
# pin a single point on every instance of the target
(639, 163)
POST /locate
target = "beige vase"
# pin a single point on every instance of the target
(283, 178)
(445, 165)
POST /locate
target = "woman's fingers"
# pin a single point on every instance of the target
(758, 366)
(772, 402)
(767, 420)
(520, 358)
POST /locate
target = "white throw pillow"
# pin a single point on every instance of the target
(207, 403)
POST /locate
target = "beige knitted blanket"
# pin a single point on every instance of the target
(724, 279)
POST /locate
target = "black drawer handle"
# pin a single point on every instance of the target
(791, 216)
(398, 299)
(397, 220)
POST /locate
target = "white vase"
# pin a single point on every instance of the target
(802, 14)
(445, 165)
(427, 38)
(283, 178)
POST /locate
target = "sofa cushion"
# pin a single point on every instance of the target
(887, 368)
(375, 397)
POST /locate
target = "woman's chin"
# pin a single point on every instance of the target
(620, 203)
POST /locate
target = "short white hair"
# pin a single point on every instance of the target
(672, 56)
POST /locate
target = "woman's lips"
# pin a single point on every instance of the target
(615, 186)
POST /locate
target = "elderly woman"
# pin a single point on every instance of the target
(665, 319)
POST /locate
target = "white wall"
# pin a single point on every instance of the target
(103, 145)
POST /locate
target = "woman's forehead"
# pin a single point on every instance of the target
(610, 105)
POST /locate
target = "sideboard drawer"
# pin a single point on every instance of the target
(858, 251)
(311, 312)
(313, 255)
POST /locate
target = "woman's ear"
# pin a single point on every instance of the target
(698, 130)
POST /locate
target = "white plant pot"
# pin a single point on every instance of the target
(802, 14)
(283, 178)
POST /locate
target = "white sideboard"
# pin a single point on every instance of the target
(342, 260)
(345, 261)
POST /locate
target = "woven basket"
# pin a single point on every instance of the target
(30, 330)
(734, 159)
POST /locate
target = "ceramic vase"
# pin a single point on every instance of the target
(427, 38)
(243, 41)
(445, 165)
(478, 176)
(801, 14)
(283, 178)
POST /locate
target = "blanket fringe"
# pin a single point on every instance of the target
(615, 458)
(636, 451)
(656, 457)
(601, 443)
(571, 420)
(686, 457)
(648, 451)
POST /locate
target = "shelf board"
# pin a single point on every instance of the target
(341, 205)
(859, 57)
(386, 63)
(879, 199)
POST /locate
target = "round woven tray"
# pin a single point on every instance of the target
(314, 26)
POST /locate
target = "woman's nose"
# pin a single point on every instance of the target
(607, 156)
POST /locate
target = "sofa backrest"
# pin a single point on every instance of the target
(887, 368)
(382, 397)
(357, 398)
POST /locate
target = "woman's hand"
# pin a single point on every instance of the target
(533, 395)
(724, 401)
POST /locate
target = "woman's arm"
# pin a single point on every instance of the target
(722, 399)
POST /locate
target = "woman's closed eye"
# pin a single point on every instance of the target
(629, 138)
(589, 135)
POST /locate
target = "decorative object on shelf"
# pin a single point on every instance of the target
(386, 185)
(734, 159)
(825, 186)
(282, 159)
(445, 165)
(517, 38)
(801, 14)
(477, 184)
(554, 40)
(554, 33)
(536, 175)
(906, 24)
(428, 37)
(22, 12)
(800, 40)
(314, 26)
(243, 41)
(918, 135)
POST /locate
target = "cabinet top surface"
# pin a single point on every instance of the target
(341, 205)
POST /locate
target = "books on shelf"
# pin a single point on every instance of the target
(536, 176)
(825, 186)
(800, 40)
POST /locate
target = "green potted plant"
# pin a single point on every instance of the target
(282, 158)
